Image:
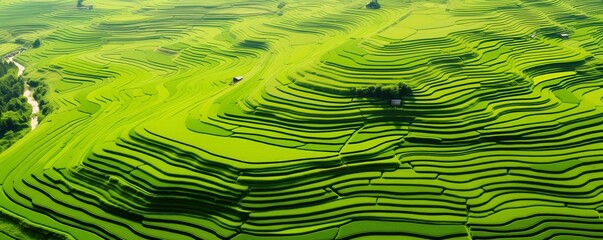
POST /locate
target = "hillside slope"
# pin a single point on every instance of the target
(149, 139)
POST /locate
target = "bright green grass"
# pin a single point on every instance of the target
(501, 137)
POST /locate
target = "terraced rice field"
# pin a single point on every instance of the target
(500, 139)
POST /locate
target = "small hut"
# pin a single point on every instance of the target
(564, 36)
(396, 102)
(237, 79)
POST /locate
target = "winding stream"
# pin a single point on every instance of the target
(28, 93)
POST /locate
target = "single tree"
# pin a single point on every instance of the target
(80, 3)
(281, 4)
(374, 4)
(36, 43)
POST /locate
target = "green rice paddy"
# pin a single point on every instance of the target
(500, 139)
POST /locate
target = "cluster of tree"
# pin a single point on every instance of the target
(280, 7)
(14, 110)
(398, 90)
